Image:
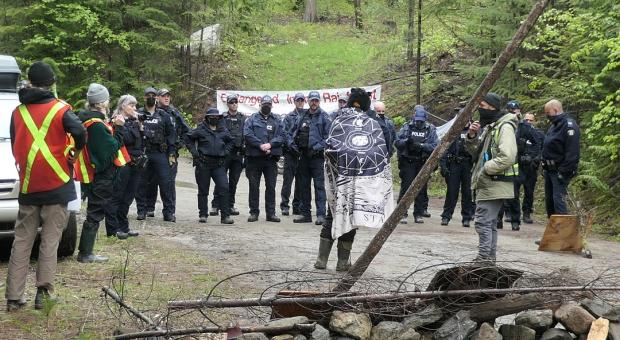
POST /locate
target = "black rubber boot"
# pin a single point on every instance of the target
(325, 247)
(87, 243)
(344, 256)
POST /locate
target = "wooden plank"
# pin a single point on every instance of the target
(562, 234)
(488, 311)
(599, 329)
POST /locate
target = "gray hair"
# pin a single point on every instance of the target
(123, 101)
(100, 107)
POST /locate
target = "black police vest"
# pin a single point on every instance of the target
(154, 133)
(303, 134)
(419, 136)
(136, 148)
(270, 125)
(235, 127)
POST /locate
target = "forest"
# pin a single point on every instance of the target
(572, 54)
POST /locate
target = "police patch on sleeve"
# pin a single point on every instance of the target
(571, 132)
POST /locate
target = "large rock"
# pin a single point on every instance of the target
(596, 306)
(458, 327)
(574, 318)
(409, 334)
(538, 320)
(386, 330)
(357, 326)
(487, 332)
(254, 336)
(284, 337)
(556, 334)
(517, 332)
(287, 322)
(299, 337)
(613, 315)
(319, 333)
(614, 330)
(427, 316)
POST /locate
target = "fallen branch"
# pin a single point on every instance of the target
(109, 292)
(303, 328)
(276, 300)
(362, 263)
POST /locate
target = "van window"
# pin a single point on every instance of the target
(8, 82)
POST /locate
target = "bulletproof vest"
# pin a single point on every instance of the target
(132, 126)
(154, 129)
(303, 134)
(271, 126)
(235, 127)
(419, 135)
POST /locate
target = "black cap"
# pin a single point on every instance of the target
(150, 90)
(231, 97)
(213, 112)
(493, 99)
(41, 74)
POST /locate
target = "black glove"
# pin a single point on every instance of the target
(412, 144)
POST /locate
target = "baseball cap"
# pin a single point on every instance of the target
(299, 95)
(231, 97)
(266, 99)
(314, 95)
(513, 104)
(212, 112)
(163, 92)
(150, 90)
(420, 113)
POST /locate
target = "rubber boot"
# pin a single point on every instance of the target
(344, 256)
(87, 243)
(325, 247)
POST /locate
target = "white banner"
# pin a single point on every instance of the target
(283, 101)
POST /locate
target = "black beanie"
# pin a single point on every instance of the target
(41, 74)
(361, 97)
(494, 100)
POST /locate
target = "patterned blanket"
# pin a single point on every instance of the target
(358, 174)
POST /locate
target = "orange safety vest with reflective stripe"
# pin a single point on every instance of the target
(39, 146)
(84, 169)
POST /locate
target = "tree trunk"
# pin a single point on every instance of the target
(419, 58)
(310, 11)
(410, 32)
(358, 14)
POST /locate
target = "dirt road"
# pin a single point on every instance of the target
(250, 246)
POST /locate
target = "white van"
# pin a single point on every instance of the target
(9, 178)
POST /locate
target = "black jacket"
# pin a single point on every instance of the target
(202, 141)
(561, 144)
(73, 126)
(132, 137)
(180, 126)
(159, 134)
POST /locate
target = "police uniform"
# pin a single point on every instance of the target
(560, 156)
(127, 181)
(262, 128)
(414, 145)
(234, 161)
(308, 139)
(529, 146)
(291, 162)
(159, 146)
(455, 167)
(209, 145)
(388, 128)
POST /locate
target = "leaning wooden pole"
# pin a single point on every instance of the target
(362, 263)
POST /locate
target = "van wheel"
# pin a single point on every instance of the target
(66, 247)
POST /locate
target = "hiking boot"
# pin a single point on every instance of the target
(319, 220)
(527, 218)
(14, 305)
(285, 212)
(41, 297)
(132, 233)
(403, 220)
(121, 235)
(508, 219)
(537, 242)
(500, 224)
(87, 243)
(515, 226)
(325, 246)
(214, 211)
(227, 220)
(202, 219)
(344, 256)
(426, 214)
(445, 221)
(273, 218)
(303, 219)
(418, 219)
(150, 214)
(466, 223)
(253, 218)
(141, 217)
(484, 261)
(170, 218)
(234, 211)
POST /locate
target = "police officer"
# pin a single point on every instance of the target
(128, 177)
(291, 159)
(455, 168)
(308, 139)
(387, 125)
(529, 144)
(180, 128)
(560, 156)
(159, 148)
(343, 98)
(210, 143)
(234, 160)
(264, 138)
(531, 172)
(415, 141)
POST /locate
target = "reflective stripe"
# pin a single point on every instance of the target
(83, 171)
(38, 144)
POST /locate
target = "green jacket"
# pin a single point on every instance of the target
(503, 156)
(102, 145)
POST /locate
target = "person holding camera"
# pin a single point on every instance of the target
(309, 135)
(159, 144)
(128, 177)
